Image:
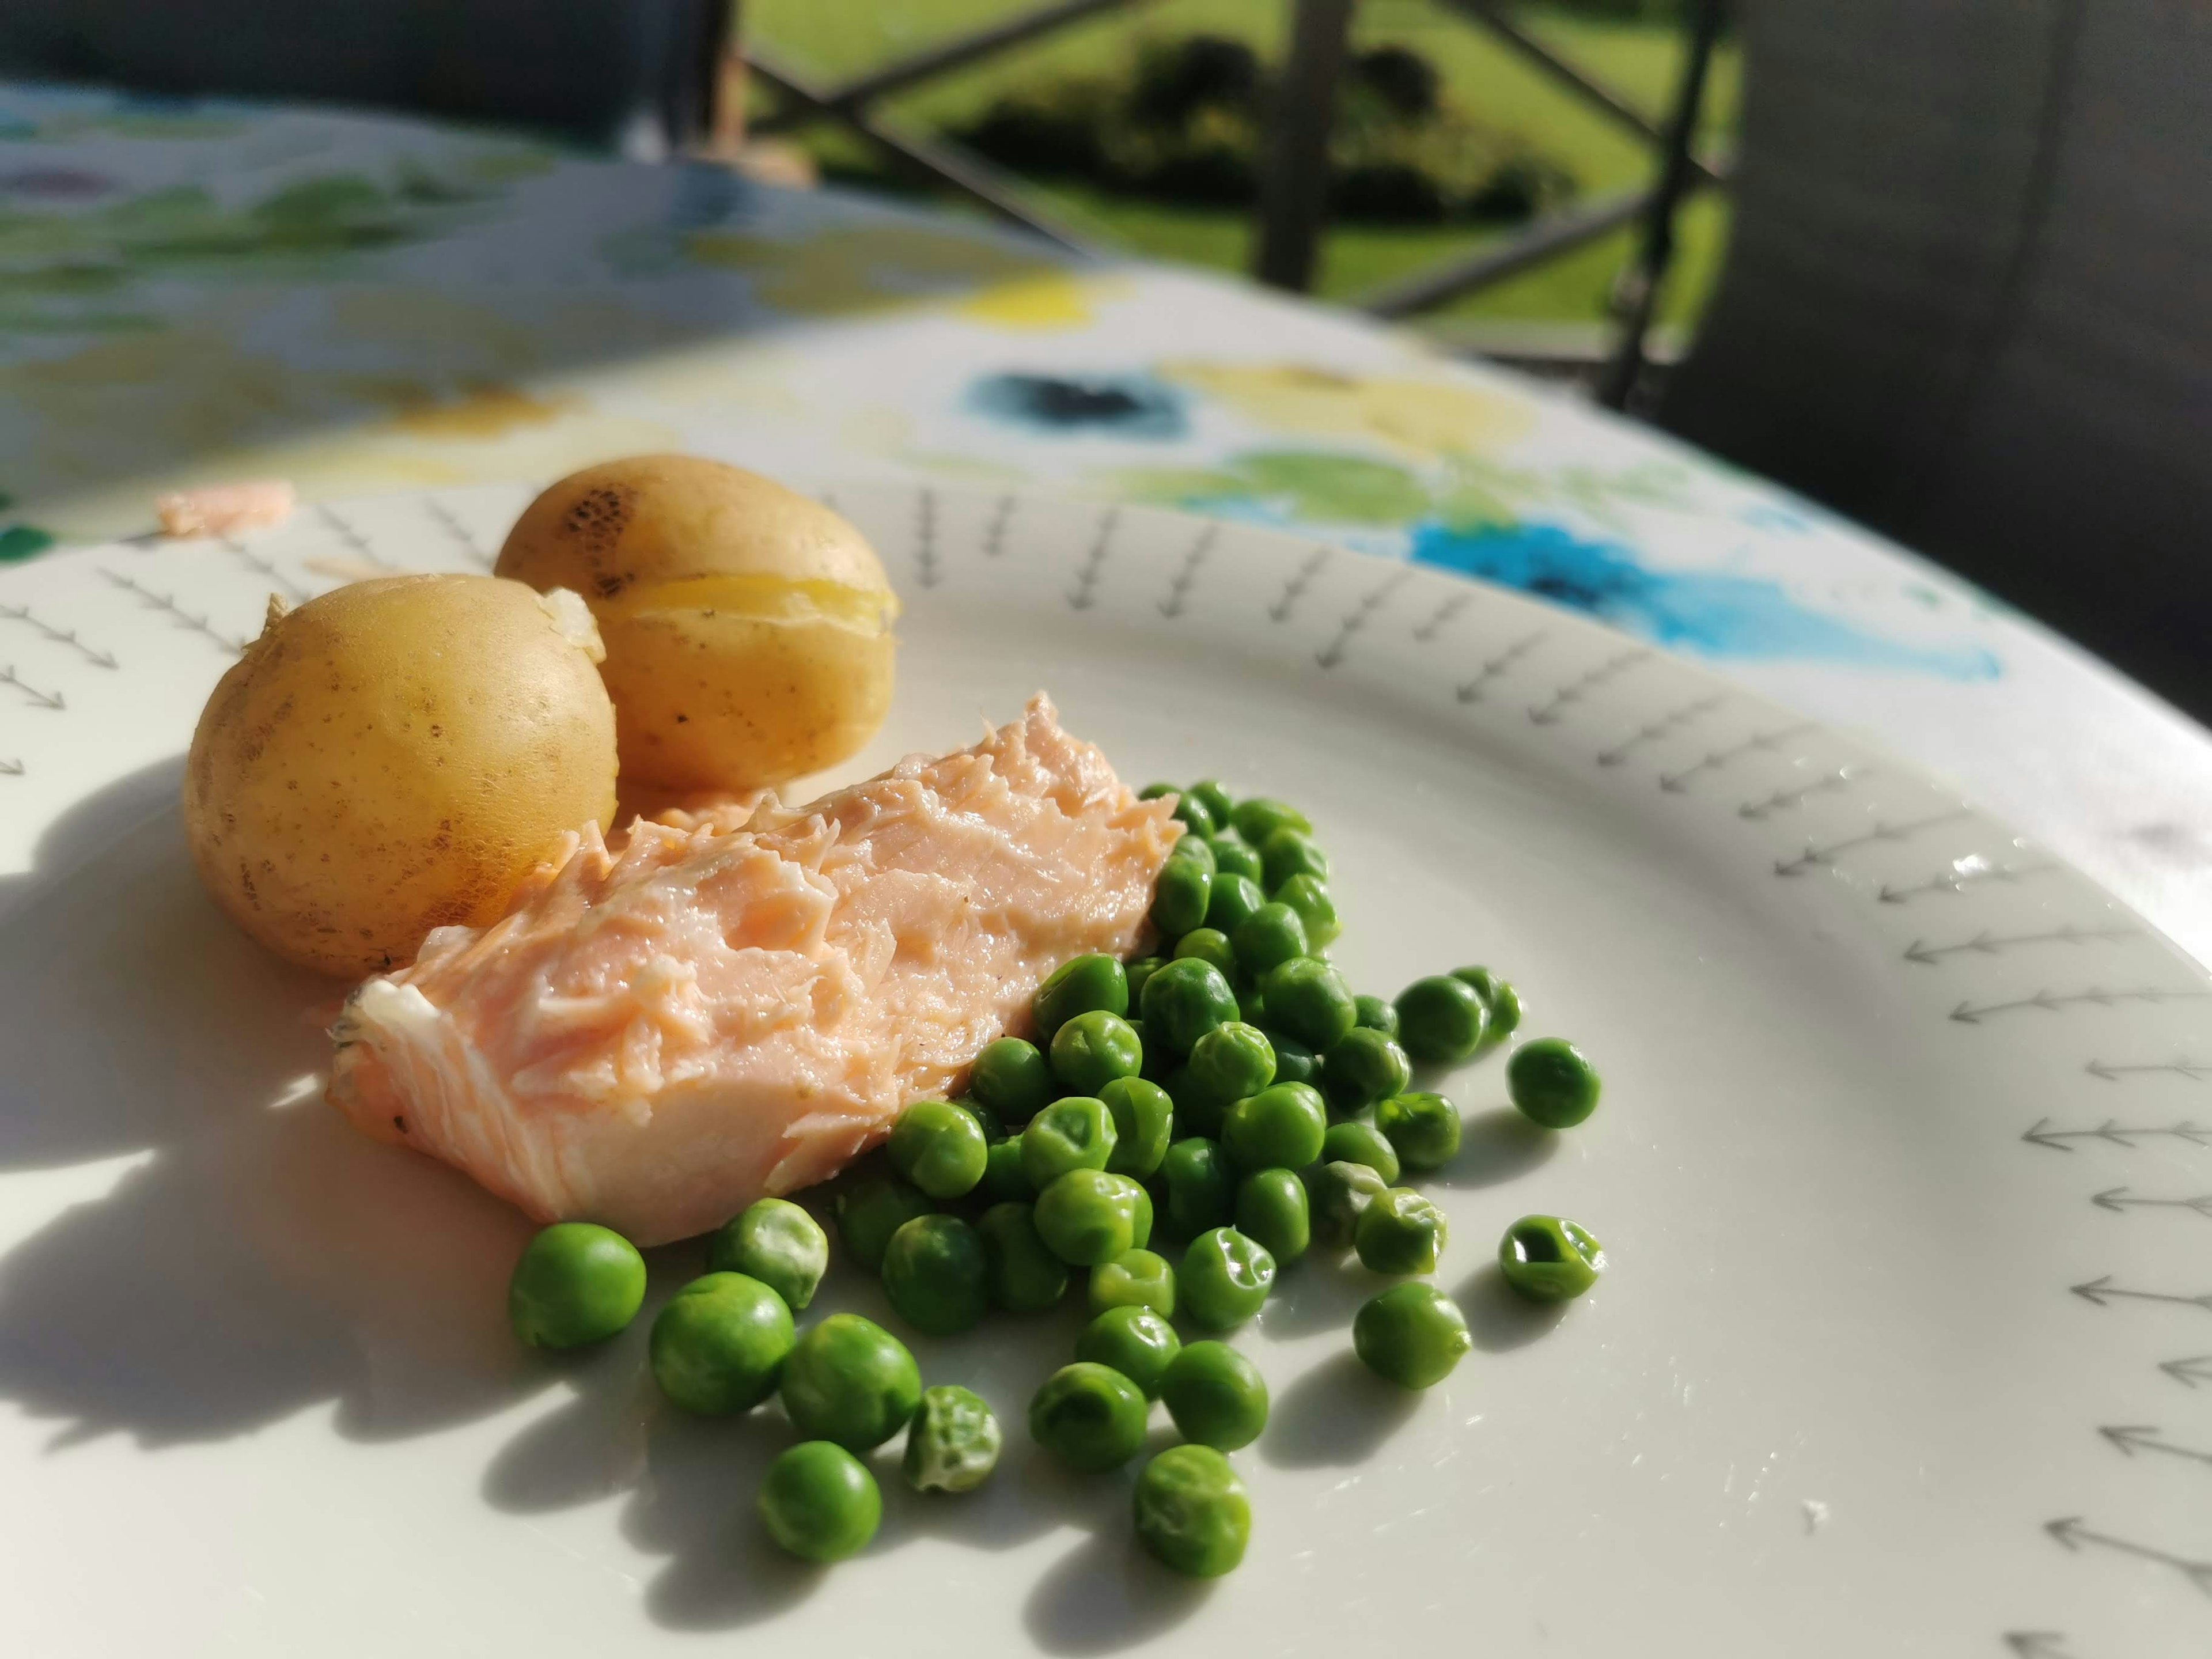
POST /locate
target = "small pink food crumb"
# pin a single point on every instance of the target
(225, 509)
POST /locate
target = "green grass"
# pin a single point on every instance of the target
(832, 38)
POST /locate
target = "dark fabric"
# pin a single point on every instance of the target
(1969, 300)
(588, 69)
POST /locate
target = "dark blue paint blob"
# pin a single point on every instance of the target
(1126, 406)
(1713, 612)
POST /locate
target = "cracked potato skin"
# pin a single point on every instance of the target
(392, 756)
(747, 628)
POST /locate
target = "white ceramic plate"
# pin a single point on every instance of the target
(1906, 1348)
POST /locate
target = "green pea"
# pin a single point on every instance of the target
(1215, 799)
(1260, 817)
(1209, 944)
(1441, 1019)
(870, 1211)
(1309, 897)
(1412, 1335)
(1552, 1084)
(1075, 1133)
(851, 1381)
(1087, 1216)
(1141, 1220)
(1195, 849)
(1225, 1279)
(1195, 815)
(1288, 853)
(1400, 1232)
(1193, 1515)
(1422, 1128)
(1216, 1396)
(1011, 1077)
(994, 1127)
(1357, 1141)
(1271, 936)
(1503, 1001)
(575, 1284)
(819, 1502)
(1362, 1068)
(1373, 1014)
(1185, 1000)
(1233, 1061)
(1136, 1341)
(1137, 972)
(1003, 1180)
(1198, 1109)
(1020, 1273)
(1134, 1279)
(1282, 1127)
(1308, 999)
(939, 1148)
(720, 1345)
(1337, 1193)
(1251, 1007)
(1271, 1211)
(776, 1242)
(1549, 1258)
(1179, 895)
(1143, 1123)
(1294, 1061)
(952, 1443)
(1197, 1189)
(1089, 1416)
(1078, 986)
(1233, 899)
(1154, 791)
(1091, 1050)
(1232, 856)
(935, 1276)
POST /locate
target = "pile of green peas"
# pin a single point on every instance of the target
(1229, 1094)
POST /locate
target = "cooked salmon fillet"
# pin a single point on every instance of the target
(653, 1039)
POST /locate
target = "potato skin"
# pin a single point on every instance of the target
(747, 628)
(391, 757)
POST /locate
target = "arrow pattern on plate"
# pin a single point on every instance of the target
(2194, 1070)
(1084, 594)
(2074, 1535)
(21, 613)
(355, 542)
(1677, 783)
(1301, 579)
(37, 698)
(925, 537)
(1444, 614)
(2189, 1371)
(2100, 1291)
(1575, 690)
(2110, 1132)
(1186, 576)
(1687, 714)
(1989, 945)
(1471, 690)
(2037, 1645)
(1817, 857)
(994, 536)
(265, 568)
(1959, 880)
(1782, 800)
(2119, 1199)
(2052, 1002)
(2133, 1437)
(1356, 618)
(189, 620)
(448, 521)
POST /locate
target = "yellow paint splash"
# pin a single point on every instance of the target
(1432, 419)
(481, 412)
(1039, 304)
(869, 268)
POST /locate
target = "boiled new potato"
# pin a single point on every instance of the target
(748, 629)
(394, 757)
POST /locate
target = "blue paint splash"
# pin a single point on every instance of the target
(1125, 406)
(1713, 613)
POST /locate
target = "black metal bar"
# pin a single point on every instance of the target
(1553, 234)
(1489, 15)
(1621, 374)
(921, 158)
(1294, 176)
(850, 96)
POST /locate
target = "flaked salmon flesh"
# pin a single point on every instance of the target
(653, 1038)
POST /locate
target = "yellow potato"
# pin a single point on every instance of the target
(748, 629)
(395, 756)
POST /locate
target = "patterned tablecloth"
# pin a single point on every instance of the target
(195, 293)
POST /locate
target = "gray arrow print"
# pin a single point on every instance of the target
(2074, 1536)
(2133, 1437)
(2101, 1292)
(1677, 783)
(1757, 811)
(166, 603)
(1444, 616)
(1547, 712)
(1956, 881)
(1471, 690)
(1966, 1014)
(2189, 1372)
(357, 544)
(62, 636)
(2111, 1133)
(1186, 576)
(1357, 618)
(1817, 857)
(37, 698)
(2119, 1200)
(1688, 714)
(994, 538)
(2194, 1070)
(266, 570)
(1994, 945)
(444, 517)
(2037, 1645)
(1086, 579)
(1301, 579)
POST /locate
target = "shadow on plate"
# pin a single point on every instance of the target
(1495, 1145)
(1499, 1317)
(1338, 1414)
